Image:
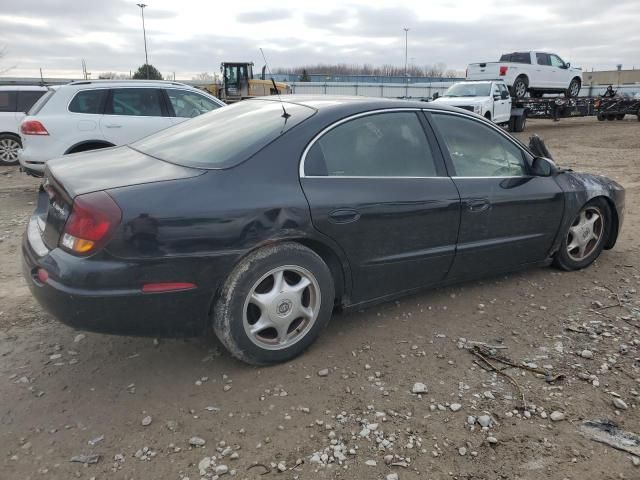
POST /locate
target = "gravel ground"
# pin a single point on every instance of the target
(139, 408)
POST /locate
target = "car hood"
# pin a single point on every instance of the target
(113, 167)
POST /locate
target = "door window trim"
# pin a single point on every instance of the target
(103, 104)
(164, 110)
(318, 136)
(526, 156)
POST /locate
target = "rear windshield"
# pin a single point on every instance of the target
(516, 57)
(41, 102)
(226, 136)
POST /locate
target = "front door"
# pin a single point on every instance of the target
(133, 113)
(560, 74)
(545, 75)
(501, 104)
(509, 217)
(378, 188)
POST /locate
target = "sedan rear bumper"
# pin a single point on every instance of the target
(117, 311)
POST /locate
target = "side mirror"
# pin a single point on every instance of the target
(568, 64)
(543, 167)
(504, 95)
(435, 95)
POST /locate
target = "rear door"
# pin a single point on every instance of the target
(133, 113)
(509, 217)
(8, 121)
(377, 186)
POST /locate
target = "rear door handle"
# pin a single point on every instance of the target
(344, 215)
(477, 205)
(113, 125)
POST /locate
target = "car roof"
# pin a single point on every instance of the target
(353, 104)
(25, 88)
(127, 83)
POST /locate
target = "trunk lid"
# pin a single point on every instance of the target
(87, 172)
(484, 71)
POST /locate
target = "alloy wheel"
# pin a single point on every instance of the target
(520, 88)
(574, 88)
(585, 234)
(281, 307)
(9, 151)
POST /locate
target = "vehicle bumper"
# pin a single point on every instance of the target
(30, 165)
(126, 311)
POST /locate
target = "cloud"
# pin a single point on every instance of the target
(264, 16)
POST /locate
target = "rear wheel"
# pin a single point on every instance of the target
(520, 86)
(574, 88)
(585, 238)
(601, 117)
(274, 304)
(9, 146)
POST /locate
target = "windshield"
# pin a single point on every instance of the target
(469, 90)
(226, 136)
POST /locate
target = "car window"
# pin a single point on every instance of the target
(556, 61)
(496, 90)
(88, 101)
(41, 102)
(516, 57)
(477, 150)
(503, 87)
(543, 59)
(225, 136)
(190, 104)
(140, 102)
(382, 145)
(8, 101)
(27, 98)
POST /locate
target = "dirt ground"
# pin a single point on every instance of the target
(64, 393)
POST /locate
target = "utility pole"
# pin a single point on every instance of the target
(144, 34)
(406, 72)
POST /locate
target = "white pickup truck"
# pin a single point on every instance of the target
(534, 72)
(489, 98)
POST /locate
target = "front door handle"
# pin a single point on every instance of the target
(477, 205)
(344, 215)
(113, 125)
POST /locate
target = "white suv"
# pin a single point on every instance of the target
(14, 102)
(86, 115)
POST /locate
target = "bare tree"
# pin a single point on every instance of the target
(4, 69)
(204, 76)
(438, 70)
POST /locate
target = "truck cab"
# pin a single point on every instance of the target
(489, 98)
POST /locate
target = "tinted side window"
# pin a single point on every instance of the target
(543, 59)
(26, 99)
(382, 145)
(516, 57)
(476, 150)
(88, 101)
(141, 102)
(8, 101)
(190, 104)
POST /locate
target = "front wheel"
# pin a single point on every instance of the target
(585, 238)
(9, 146)
(274, 304)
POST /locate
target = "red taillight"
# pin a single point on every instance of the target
(93, 217)
(33, 127)
(42, 275)
(167, 287)
(503, 70)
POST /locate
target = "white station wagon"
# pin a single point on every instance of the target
(15, 100)
(87, 115)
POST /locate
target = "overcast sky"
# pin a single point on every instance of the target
(192, 36)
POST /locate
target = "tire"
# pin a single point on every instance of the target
(568, 258)
(251, 294)
(488, 116)
(520, 122)
(574, 88)
(9, 146)
(620, 116)
(601, 117)
(611, 117)
(520, 86)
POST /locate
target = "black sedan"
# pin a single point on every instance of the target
(260, 218)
